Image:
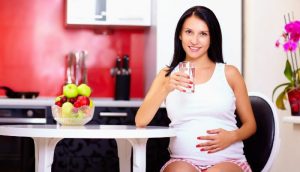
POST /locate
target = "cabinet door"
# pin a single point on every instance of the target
(108, 12)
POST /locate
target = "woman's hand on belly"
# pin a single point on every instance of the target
(216, 140)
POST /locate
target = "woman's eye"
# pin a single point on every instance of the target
(203, 34)
(188, 31)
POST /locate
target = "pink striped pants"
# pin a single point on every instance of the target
(243, 164)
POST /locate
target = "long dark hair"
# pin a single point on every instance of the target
(215, 49)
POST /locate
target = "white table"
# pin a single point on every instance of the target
(127, 136)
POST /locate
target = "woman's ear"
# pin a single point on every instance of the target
(180, 37)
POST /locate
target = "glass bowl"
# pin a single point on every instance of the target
(75, 116)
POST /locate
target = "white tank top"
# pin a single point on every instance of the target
(211, 106)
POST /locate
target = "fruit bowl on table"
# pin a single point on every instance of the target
(73, 116)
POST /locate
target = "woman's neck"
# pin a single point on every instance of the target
(202, 62)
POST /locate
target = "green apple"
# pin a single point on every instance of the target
(70, 90)
(84, 90)
(67, 110)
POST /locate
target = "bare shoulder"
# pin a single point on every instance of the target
(231, 71)
(233, 75)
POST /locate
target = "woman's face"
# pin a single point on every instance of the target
(195, 38)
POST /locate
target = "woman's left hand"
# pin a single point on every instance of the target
(218, 139)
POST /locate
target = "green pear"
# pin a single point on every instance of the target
(67, 110)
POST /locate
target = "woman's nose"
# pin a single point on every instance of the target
(194, 40)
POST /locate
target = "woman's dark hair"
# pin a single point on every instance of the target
(215, 48)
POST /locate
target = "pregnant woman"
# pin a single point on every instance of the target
(208, 138)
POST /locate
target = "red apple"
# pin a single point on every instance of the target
(58, 103)
(83, 100)
(63, 99)
(77, 104)
(72, 100)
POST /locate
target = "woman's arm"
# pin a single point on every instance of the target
(152, 101)
(243, 106)
(158, 92)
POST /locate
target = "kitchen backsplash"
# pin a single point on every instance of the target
(34, 42)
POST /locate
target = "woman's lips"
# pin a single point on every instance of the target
(194, 49)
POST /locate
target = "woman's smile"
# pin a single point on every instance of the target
(194, 49)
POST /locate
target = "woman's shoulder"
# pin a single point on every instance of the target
(233, 75)
(231, 71)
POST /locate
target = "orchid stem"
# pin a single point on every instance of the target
(296, 71)
(293, 68)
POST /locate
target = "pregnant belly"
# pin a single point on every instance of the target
(184, 144)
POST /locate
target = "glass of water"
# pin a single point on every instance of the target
(189, 69)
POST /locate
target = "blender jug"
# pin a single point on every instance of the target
(76, 70)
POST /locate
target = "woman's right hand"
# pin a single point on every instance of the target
(158, 92)
(178, 80)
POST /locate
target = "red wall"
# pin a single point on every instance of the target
(34, 42)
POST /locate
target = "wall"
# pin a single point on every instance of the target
(34, 42)
(264, 65)
(160, 43)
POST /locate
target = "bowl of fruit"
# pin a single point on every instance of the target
(74, 106)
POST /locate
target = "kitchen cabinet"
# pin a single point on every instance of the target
(165, 14)
(108, 12)
(17, 153)
(100, 155)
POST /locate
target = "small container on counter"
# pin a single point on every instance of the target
(123, 74)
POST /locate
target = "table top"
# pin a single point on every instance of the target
(86, 131)
(49, 101)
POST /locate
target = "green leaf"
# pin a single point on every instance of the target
(279, 100)
(288, 71)
(288, 85)
(282, 95)
(297, 74)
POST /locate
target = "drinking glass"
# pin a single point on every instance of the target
(189, 69)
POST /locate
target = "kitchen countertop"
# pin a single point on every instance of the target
(48, 101)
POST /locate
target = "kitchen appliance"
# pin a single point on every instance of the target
(14, 94)
(17, 154)
(76, 70)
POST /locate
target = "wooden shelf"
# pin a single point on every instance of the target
(292, 119)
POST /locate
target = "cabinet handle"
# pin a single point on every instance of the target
(114, 114)
(23, 120)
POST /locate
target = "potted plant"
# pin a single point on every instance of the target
(289, 41)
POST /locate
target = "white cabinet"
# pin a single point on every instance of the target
(108, 12)
(166, 13)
